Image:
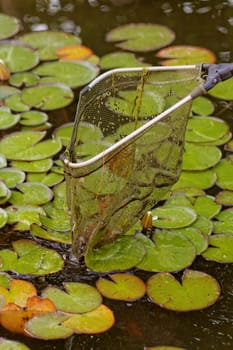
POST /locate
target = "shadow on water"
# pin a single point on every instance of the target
(203, 23)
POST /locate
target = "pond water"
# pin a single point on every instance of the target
(202, 23)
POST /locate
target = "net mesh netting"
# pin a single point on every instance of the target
(113, 183)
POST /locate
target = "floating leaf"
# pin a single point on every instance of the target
(24, 79)
(169, 251)
(73, 74)
(223, 90)
(202, 106)
(9, 26)
(78, 298)
(199, 240)
(23, 216)
(32, 193)
(124, 253)
(224, 174)
(224, 222)
(121, 286)
(203, 224)
(151, 103)
(141, 36)
(220, 249)
(6, 344)
(173, 216)
(193, 157)
(64, 133)
(18, 56)
(15, 103)
(47, 96)
(31, 258)
(18, 292)
(93, 322)
(7, 119)
(4, 280)
(197, 291)
(206, 206)
(48, 326)
(47, 42)
(205, 129)
(33, 118)
(5, 193)
(224, 198)
(35, 306)
(34, 166)
(12, 176)
(121, 60)
(6, 90)
(3, 217)
(185, 54)
(75, 52)
(196, 179)
(49, 235)
(49, 179)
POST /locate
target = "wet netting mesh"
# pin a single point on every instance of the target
(126, 149)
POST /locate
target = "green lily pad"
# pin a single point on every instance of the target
(88, 131)
(19, 141)
(71, 73)
(41, 150)
(15, 103)
(121, 286)
(12, 176)
(24, 79)
(196, 179)
(224, 174)
(7, 119)
(33, 118)
(193, 157)
(141, 36)
(169, 216)
(5, 279)
(151, 103)
(56, 219)
(123, 254)
(185, 54)
(29, 257)
(92, 322)
(77, 297)
(206, 206)
(169, 251)
(6, 344)
(197, 291)
(205, 129)
(64, 132)
(48, 326)
(3, 217)
(224, 198)
(220, 249)
(47, 42)
(48, 235)
(3, 161)
(47, 96)
(223, 222)
(179, 199)
(35, 166)
(5, 193)
(49, 179)
(32, 193)
(202, 106)
(18, 56)
(120, 60)
(23, 216)
(9, 26)
(203, 224)
(199, 240)
(223, 90)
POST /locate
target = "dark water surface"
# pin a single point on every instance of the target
(204, 23)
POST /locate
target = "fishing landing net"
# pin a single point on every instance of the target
(126, 148)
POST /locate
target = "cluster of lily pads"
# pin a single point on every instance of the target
(41, 71)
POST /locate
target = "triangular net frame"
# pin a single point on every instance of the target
(126, 148)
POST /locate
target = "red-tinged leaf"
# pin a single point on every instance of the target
(18, 293)
(74, 52)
